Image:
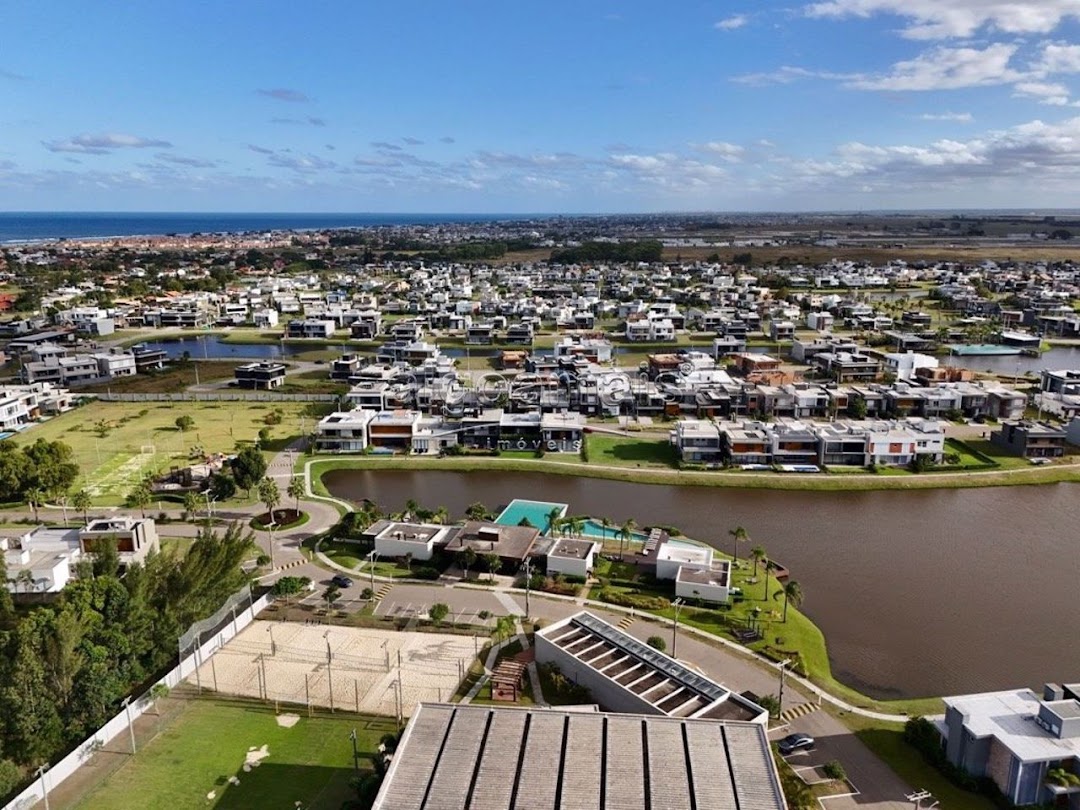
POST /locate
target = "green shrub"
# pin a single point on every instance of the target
(426, 572)
(657, 643)
(637, 601)
(834, 770)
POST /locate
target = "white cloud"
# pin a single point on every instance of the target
(728, 151)
(1058, 58)
(1053, 93)
(946, 69)
(941, 19)
(960, 118)
(732, 22)
(103, 144)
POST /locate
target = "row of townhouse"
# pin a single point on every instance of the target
(54, 364)
(857, 443)
(410, 431)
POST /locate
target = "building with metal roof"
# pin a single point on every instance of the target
(626, 675)
(469, 757)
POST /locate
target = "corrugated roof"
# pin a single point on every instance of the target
(468, 757)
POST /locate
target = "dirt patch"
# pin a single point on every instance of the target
(288, 720)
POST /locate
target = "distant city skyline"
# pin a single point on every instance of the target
(601, 107)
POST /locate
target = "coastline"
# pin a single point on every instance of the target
(822, 482)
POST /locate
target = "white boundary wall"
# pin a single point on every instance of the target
(119, 723)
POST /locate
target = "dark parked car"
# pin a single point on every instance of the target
(342, 581)
(795, 742)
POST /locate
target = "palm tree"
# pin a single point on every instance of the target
(793, 594)
(739, 535)
(606, 523)
(577, 525)
(81, 501)
(767, 563)
(492, 561)
(758, 555)
(410, 508)
(477, 511)
(554, 517)
(625, 533)
(296, 490)
(35, 497)
(442, 515)
(141, 497)
(270, 495)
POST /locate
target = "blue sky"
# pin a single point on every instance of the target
(586, 106)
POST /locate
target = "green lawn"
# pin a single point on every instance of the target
(346, 554)
(887, 741)
(108, 438)
(637, 451)
(308, 765)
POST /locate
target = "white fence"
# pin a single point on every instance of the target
(119, 724)
(215, 396)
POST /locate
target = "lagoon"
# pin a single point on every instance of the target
(918, 592)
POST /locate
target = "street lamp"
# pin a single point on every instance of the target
(527, 566)
(40, 773)
(783, 671)
(273, 646)
(126, 703)
(677, 604)
(270, 527)
(373, 556)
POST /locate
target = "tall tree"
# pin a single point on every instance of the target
(296, 490)
(270, 495)
(141, 497)
(738, 535)
(82, 501)
(249, 468)
(793, 594)
(465, 558)
(35, 497)
(191, 505)
(554, 517)
(625, 533)
(758, 555)
(492, 561)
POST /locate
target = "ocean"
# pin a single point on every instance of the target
(34, 226)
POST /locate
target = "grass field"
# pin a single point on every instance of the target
(116, 443)
(308, 765)
(172, 378)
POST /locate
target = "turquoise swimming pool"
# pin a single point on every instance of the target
(536, 512)
(594, 528)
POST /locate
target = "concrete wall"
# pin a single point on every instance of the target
(390, 546)
(570, 566)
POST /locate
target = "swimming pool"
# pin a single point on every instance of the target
(594, 528)
(536, 512)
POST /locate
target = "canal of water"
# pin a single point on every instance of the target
(930, 592)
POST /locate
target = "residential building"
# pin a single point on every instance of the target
(513, 544)
(310, 329)
(572, 557)
(1014, 737)
(263, 376)
(903, 365)
(344, 432)
(844, 367)
(265, 318)
(1030, 439)
(392, 539)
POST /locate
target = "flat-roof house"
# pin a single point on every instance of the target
(512, 543)
(1030, 439)
(343, 431)
(572, 557)
(310, 328)
(709, 584)
(391, 538)
(262, 376)
(1014, 738)
(492, 758)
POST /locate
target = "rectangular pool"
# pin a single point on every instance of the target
(535, 511)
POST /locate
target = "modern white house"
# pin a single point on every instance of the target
(671, 556)
(343, 432)
(708, 584)
(397, 539)
(903, 364)
(571, 557)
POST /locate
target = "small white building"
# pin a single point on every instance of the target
(573, 558)
(710, 585)
(393, 539)
(343, 432)
(903, 364)
(265, 318)
(672, 556)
